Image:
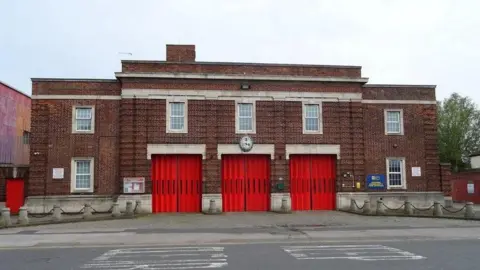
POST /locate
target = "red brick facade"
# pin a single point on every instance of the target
(124, 126)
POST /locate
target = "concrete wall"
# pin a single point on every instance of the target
(391, 199)
(74, 203)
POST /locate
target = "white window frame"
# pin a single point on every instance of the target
(185, 116)
(237, 117)
(320, 117)
(401, 121)
(74, 119)
(73, 177)
(403, 174)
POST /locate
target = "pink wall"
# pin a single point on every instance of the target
(14, 120)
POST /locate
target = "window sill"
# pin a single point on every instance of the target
(83, 132)
(177, 131)
(394, 134)
(80, 192)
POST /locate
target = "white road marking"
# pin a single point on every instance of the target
(160, 258)
(350, 252)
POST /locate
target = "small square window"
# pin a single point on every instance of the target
(394, 122)
(177, 117)
(312, 118)
(245, 118)
(26, 137)
(83, 119)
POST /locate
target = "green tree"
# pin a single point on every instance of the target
(458, 130)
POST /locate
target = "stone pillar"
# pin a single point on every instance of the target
(116, 210)
(23, 216)
(437, 209)
(5, 219)
(408, 210)
(212, 207)
(57, 213)
(284, 207)
(138, 206)
(380, 208)
(129, 209)
(87, 211)
(366, 207)
(469, 212)
(353, 207)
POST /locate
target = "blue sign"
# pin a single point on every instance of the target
(376, 181)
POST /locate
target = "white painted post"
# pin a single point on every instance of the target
(284, 206)
(408, 210)
(23, 216)
(116, 210)
(57, 213)
(380, 208)
(366, 207)
(87, 211)
(437, 209)
(469, 212)
(7, 221)
(212, 208)
(129, 209)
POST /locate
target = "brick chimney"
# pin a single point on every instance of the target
(180, 53)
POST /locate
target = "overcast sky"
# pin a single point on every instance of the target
(396, 41)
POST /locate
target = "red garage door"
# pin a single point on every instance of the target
(312, 182)
(245, 183)
(15, 194)
(176, 183)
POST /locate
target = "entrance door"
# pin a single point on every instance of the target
(14, 194)
(245, 183)
(176, 183)
(312, 182)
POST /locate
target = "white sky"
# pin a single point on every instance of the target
(396, 41)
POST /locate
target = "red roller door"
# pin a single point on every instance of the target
(245, 183)
(176, 183)
(312, 182)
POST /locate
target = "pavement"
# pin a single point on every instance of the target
(306, 240)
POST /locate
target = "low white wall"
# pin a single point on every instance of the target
(206, 202)
(391, 199)
(74, 203)
(276, 201)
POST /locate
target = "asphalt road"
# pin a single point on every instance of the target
(393, 255)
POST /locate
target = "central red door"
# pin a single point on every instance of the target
(176, 183)
(312, 182)
(245, 183)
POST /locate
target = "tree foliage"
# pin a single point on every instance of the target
(458, 130)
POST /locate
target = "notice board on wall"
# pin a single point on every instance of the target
(133, 185)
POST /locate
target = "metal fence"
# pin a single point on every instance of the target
(15, 150)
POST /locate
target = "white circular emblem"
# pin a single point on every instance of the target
(246, 143)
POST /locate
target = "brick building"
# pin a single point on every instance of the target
(180, 133)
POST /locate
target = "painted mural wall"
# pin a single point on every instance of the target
(14, 126)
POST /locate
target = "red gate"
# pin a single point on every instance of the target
(176, 183)
(14, 194)
(312, 182)
(245, 183)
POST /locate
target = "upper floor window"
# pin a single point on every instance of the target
(394, 122)
(83, 119)
(177, 117)
(312, 118)
(245, 118)
(26, 137)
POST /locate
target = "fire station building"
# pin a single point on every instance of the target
(178, 134)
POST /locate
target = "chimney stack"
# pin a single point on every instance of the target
(180, 53)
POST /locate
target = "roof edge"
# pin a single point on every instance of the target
(71, 80)
(239, 64)
(15, 89)
(402, 85)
